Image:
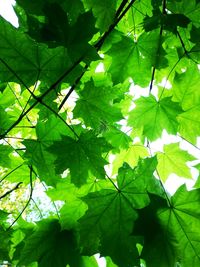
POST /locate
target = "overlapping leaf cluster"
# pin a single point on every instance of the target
(75, 119)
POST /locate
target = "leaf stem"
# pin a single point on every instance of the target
(112, 182)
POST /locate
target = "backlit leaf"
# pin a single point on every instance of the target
(173, 160)
(155, 116)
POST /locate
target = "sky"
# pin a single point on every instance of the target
(6, 11)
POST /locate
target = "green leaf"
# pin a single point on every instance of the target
(156, 249)
(82, 156)
(108, 78)
(130, 155)
(5, 120)
(5, 244)
(186, 93)
(182, 222)
(174, 235)
(185, 89)
(131, 58)
(50, 246)
(36, 150)
(109, 220)
(56, 29)
(104, 11)
(173, 160)
(95, 106)
(155, 116)
(117, 138)
(109, 262)
(190, 124)
(189, 9)
(26, 62)
(37, 7)
(167, 21)
(4, 156)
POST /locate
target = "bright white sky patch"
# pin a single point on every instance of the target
(7, 11)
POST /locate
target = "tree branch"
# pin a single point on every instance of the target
(11, 190)
(39, 99)
(99, 44)
(161, 32)
(112, 26)
(72, 88)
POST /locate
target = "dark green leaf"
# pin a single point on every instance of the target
(50, 246)
(82, 156)
(132, 58)
(95, 106)
(108, 222)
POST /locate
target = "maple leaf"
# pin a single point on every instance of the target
(186, 93)
(173, 160)
(47, 245)
(5, 151)
(155, 116)
(104, 11)
(36, 150)
(130, 156)
(185, 90)
(117, 207)
(127, 62)
(80, 156)
(95, 106)
(26, 61)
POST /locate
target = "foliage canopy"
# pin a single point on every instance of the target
(86, 88)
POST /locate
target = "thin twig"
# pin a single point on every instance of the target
(39, 99)
(186, 52)
(72, 88)
(29, 199)
(152, 79)
(11, 172)
(11, 190)
(54, 204)
(189, 142)
(112, 26)
(41, 216)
